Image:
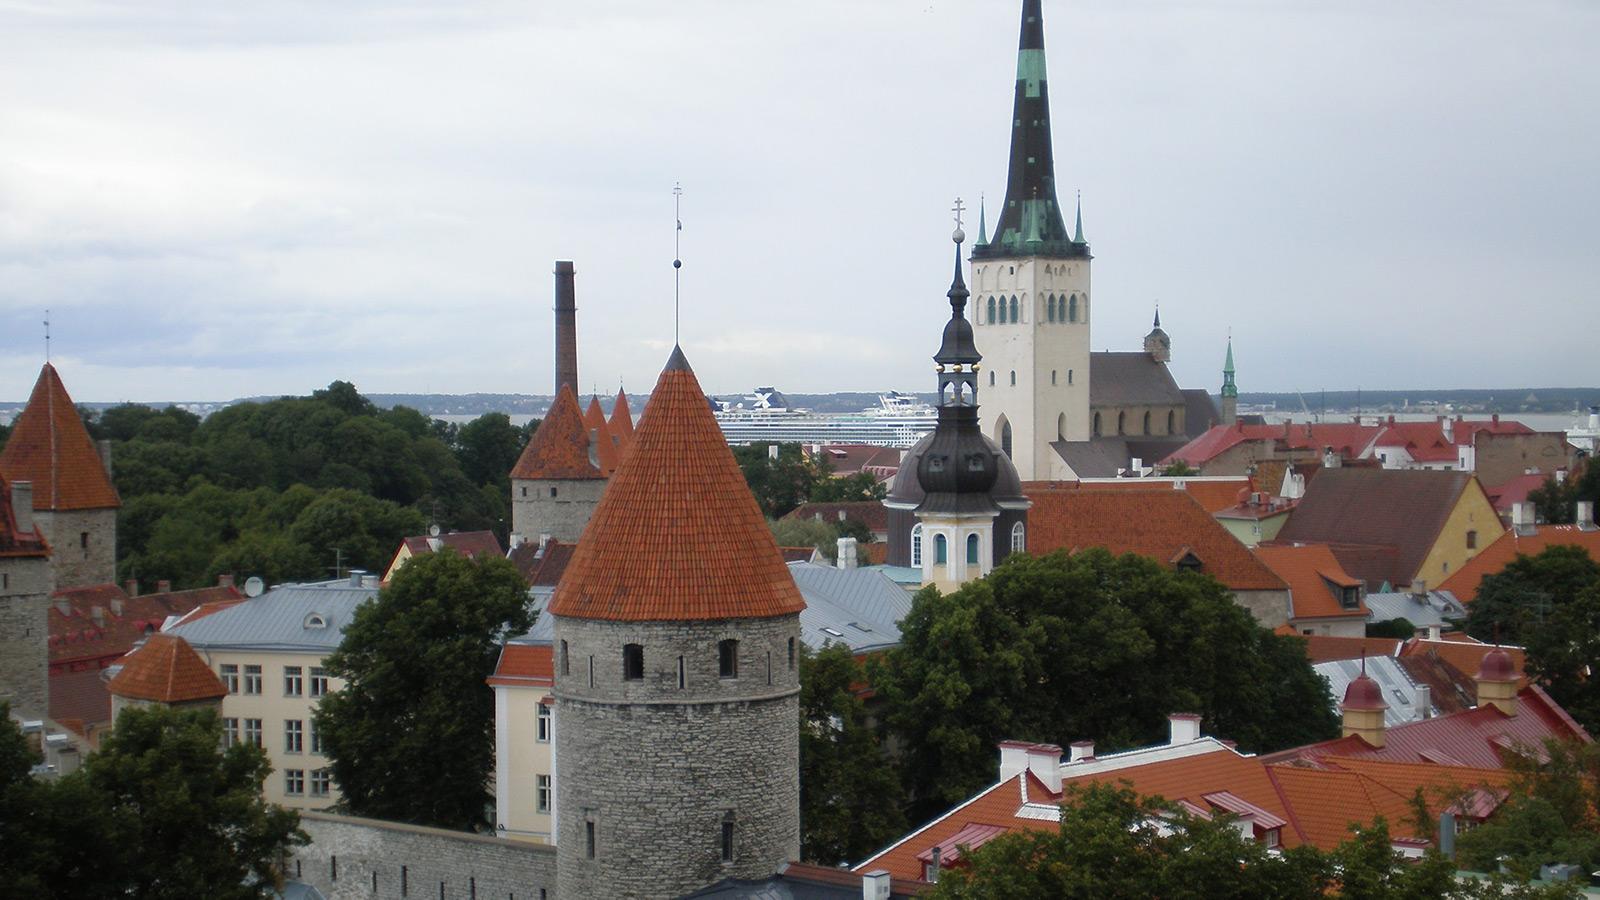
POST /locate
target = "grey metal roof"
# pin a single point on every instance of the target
(1102, 457)
(1131, 379)
(280, 619)
(1200, 412)
(544, 625)
(1440, 608)
(1398, 689)
(860, 608)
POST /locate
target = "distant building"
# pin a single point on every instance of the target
(74, 502)
(1525, 538)
(25, 580)
(1323, 597)
(165, 671)
(471, 544)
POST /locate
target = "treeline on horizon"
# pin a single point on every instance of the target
(1498, 400)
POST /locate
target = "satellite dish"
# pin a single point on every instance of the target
(254, 586)
(433, 530)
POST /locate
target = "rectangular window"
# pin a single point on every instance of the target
(727, 840)
(546, 793)
(591, 671)
(83, 540)
(294, 781)
(230, 677)
(588, 838)
(319, 681)
(791, 654)
(293, 683)
(632, 662)
(683, 674)
(252, 679)
(230, 732)
(321, 780)
(316, 738)
(566, 667)
(252, 731)
(1472, 540)
(728, 658)
(293, 735)
(544, 723)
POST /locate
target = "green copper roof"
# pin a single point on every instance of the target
(1229, 389)
(983, 227)
(1077, 232)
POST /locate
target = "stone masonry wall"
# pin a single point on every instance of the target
(1270, 608)
(25, 635)
(77, 560)
(658, 769)
(346, 854)
(535, 512)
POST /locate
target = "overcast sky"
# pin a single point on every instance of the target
(227, 199)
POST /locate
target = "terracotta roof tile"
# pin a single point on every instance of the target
(1161, 523)
(14, 543)
(470, 544)
(80, 696)
(77, 637)
(677, 534)
(849, 459)
(1346, 439)
(50, 447)
(1313, 575)
(607, 448)
(1462, 652)
(166, 670)
(522, 665)
(621, 421)
(871, 513)
(1505, 548)
(1506, 495)
(1322, 648)
(1213, 495)
(559, 449)
(542, 568)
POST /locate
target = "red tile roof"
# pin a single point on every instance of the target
(849, 459)
(1515, 491)
(1313, 576)
(1162, 523)
(607, 448)
(677, 534)
(79, 699)
(1214, 495)
(559, 449)
(1325, 648)
(1462, 652)
(621, 422)
(524, 665)
(78, 640)
(14, 543)
(50, 447)
(871, 513)
(1507, 547)
(1405, 509)
(166, 670)
(1462, 431)
(1346, 439)
(471, 544)
(542, 569)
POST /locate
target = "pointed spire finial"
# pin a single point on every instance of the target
(1158, 314)
(677, 257)
(983, 226)
(1077, 231)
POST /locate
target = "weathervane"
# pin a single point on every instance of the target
(677, 260)
(47, 335)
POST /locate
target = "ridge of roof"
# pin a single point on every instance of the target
(50, 447)
(677, 534)
(559, 448)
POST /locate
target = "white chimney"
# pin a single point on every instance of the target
(98, 614)
(1013, 759)
(516, 539)
(544, 541)
(1138, 467)
(1044, 761)
(1522, 516)
(1584, 518)
(847, 553)
(772, 452)
(1183, 728)
(1424, 702)
(435, 545)
(1419, 588)
(875, 885)
(1330, 459)
(355, 577)
(1080, 751)
(1435, 632)
(22, 505)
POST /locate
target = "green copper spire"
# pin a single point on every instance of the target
(1229, 389)
(1077, 231)
(983, 227)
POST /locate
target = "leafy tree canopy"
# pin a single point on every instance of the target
(1557, 501)
(411, 733)
(1552, 814)
(1061, 647)
(849, 792)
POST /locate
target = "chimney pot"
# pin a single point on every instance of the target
(1419, 587)
(225, 580)
(22, 505)
(435, 545)
(875, 885)
(116, 606)
(544, 541)
(1079, 751)
(1435, 632)
(131, 587)
(566, 326)
(1183, 728)
(1522, 517)
(355, 577)
(98, 614)
(164, 586)
(1424, 702)
(1584, 517)
(1044, 761)
(846, 558)
(934, 865)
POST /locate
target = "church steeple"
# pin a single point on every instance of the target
(958, 356)
(1230, 391)
(1030, 222)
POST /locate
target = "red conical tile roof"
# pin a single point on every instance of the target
(559, 448)
(594, 421)
(167, 670)
(621, 418)
(50, 447)
(677, 535)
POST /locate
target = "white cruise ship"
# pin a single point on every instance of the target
(898, 420)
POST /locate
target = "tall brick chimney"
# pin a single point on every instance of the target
(566, 326)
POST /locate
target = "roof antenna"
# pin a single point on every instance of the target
(677, 260)
(47, 335)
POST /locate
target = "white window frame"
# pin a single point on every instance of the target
(294, 782)
(545, 793)
(252, 731)
(916, 546)
(545, 720)
(321, 782)
(294, 736)
(230, 732)
(230, 676)
(319, 681)
(252, 680)
(293, 681)
(1019, 538)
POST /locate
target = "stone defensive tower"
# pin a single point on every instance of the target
(25, 588)
(558, 479)
(676, 672)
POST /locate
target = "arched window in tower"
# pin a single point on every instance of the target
(1005, 439)
(1122, 423)
(1013, 377)
(1052, 376)
(1096, 424)
(916, 546)
(1050, 308)
(1172, 422)
(1019, 538)
(991, 378)
(941, 550)
(991, 310)
(1146, 423)
(972, 549)
(1014, 318)
(1072, 308)
(1061, 427)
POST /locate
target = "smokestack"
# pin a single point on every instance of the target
(566, 327)
(22, 506)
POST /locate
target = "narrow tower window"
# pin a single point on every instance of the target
(1122, 423)
(1146, 422)
(1061, 427)
(632, 662)
(972, 549)
(1072, 308)
(940, 553)
(566, 663)
(1013, 309)
(916, 546)
(727, 837)
(1050, 308)
(1013, 377)
(1005, 435)
(1019, 538)
(683, 674)
(1096, 424)
(791, 654)
(991, 310)
(1172, 422)
(1052, 376)
(728, 658)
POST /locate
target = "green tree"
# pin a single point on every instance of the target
(411, 733)
(1551, 815)
(806, 533)
(1399, 629)
(780, 484)
(1557, 500)
(367, 531)
(1179, 468)
(848, 489)
(488, 447)
(1060, 647)
(849, 791)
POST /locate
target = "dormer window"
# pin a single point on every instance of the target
(936, 464)
(315, 620)
(975, 463)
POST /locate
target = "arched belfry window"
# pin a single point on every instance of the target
(1146, 423)
(1122, 423)
(991, 310)
(1050, 309)
(1019, 538)
(1172, 422)
(972, 549)
(1061, 427)
(1072, 308)
(1096, 424)
(941, 550)
(916, 546)
(1005, 438)
(1014, 318)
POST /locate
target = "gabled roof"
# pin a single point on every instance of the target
(1463, 652)
(524, 665)
(15, 543)
(542, 568)
(1315, 579)
(307, 618)
(1326, 648)
(50, 447)
(1347, 439)
(1405, 509)
(1508, 546)
(1213, 493)
(559, 449)
(166, 670)
(471, 544)
(677, 535)
(1462, 431)
(848, 459)
(871, 513)
(1163, 524)
(1131, 379)
(77, 635)
(1327, 801)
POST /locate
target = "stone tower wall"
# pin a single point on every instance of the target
(658, 768)
(25, 589)
(83, 545)
(563, 517)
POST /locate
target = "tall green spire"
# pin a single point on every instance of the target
(983, 227)
(1229, 389)
(1077, 231)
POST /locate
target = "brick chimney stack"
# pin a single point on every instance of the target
(566, 326)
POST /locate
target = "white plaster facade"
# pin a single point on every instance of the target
(524, 801)
(956, 569)
(1038, 369)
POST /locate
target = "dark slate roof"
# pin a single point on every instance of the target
(542, 568)
(1102, 457)
(1131, 379)
(1400, 508)
(1199, 411)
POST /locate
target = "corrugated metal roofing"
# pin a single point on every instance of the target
(860, 608)
(1398, 689)
(281, 619)
(1441, 608)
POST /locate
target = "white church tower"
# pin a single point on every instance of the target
(1030, 284)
